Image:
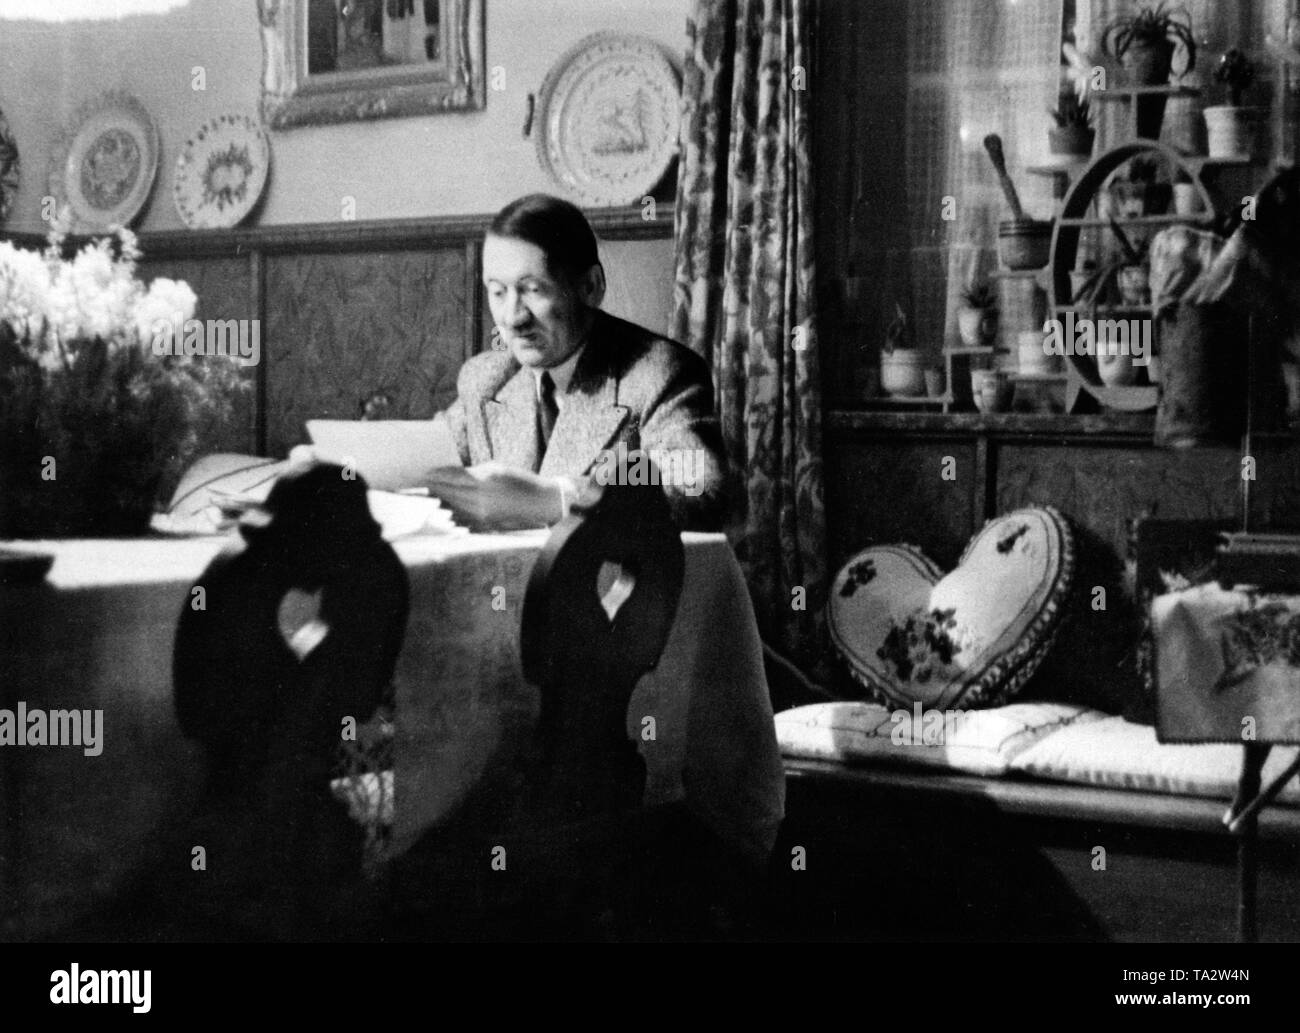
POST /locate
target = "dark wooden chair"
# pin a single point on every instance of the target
(272, 708)
(600, 603)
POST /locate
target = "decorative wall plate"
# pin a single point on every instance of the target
(607, 118)
(221, 172)
(8, 169)
(103, 164)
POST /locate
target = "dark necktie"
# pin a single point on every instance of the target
(547, 412)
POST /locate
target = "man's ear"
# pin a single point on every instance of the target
(591, 288)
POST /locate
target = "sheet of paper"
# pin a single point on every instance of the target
(389, 454)
(403, 515)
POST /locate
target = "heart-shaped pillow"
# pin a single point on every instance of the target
(967, 639)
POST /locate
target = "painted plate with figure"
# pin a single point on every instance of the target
(221, 172)
(102, 166)
(607, 119)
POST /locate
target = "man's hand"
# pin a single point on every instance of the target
(498, 497)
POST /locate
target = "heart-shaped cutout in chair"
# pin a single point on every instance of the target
(970, 638)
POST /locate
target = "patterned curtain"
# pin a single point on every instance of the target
(744, 290)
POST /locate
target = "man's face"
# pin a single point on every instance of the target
(542, 314)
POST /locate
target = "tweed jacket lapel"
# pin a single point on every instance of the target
(511, 421)
(590, 415)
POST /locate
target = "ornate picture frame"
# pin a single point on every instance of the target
(449, 77)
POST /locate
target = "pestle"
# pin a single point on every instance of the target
(993, 144)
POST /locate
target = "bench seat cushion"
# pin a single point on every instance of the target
(980, 742)
(1118, 754)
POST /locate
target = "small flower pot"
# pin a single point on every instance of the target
(977, 326)
(1149, 64)
(1230, 131)
(1071, 141)
(993, 390)
(902, 372)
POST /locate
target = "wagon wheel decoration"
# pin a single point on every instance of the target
(1112, 298)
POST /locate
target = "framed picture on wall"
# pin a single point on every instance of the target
(327, 61)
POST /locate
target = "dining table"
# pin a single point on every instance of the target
(96, 634)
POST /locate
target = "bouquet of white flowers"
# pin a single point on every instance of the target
(94, 424)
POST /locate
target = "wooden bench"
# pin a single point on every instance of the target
(901, 855)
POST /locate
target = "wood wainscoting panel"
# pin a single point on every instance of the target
(225, 290)
(343, 327)
(1104, 489)
(881, 491)
(1275, 492)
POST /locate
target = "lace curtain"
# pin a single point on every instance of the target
(974, 67)
(982, 66)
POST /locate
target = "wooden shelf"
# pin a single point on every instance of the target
(1103, 310)
(1128, 92)
(1140, 220)
(1234, 161)
(1067, 168)
(983, 350)
(944, 399)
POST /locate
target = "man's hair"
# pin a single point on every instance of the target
(554, 225)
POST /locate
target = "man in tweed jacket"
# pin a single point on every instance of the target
(576, 396)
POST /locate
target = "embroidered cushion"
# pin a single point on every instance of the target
(966, 639)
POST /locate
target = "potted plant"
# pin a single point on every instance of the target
(1073, 134)
(977, 316)
(1145, 43)
(1231, 127)
(902, 371)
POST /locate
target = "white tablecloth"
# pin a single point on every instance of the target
(98, 635)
